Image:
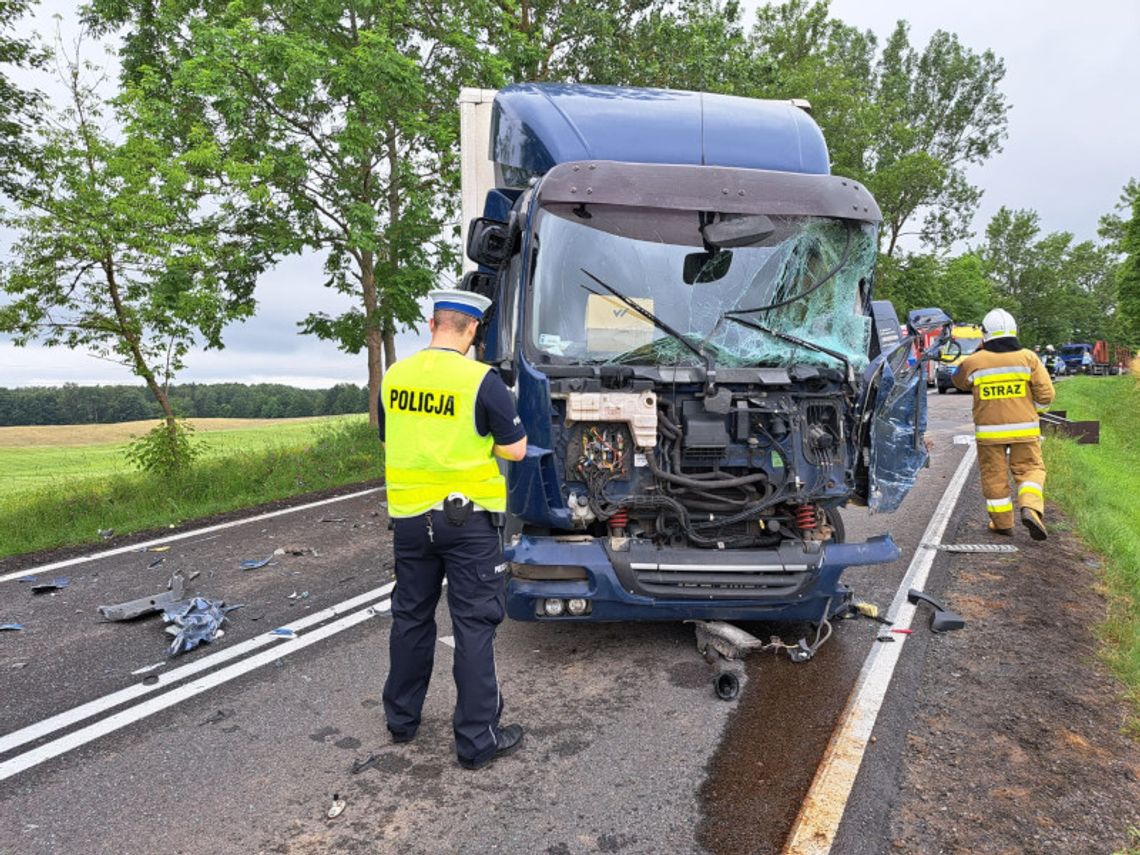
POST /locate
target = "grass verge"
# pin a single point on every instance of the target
(342, 452)
(1097, 486)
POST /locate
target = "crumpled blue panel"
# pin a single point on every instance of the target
(899, 423)
(199, 620)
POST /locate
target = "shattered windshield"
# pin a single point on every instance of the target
(814, 268)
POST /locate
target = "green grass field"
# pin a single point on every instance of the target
(1098, 486)
(33, 458)
(58, 493)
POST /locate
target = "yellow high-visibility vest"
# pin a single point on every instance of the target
(432, 446)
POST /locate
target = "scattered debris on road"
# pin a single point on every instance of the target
(215, 717)
(254, 563)
(193, 575)
(359, 765)
(333, 519)
(159, 549)
(51, 585)
(11, 627)
(145, 605)
(296, 550)
(304, 595)
(284, 632)
(974, 548)
(147, 669)
(198, 619)
(156, 562)
(106, 533)
(337, 807)
(943, 620)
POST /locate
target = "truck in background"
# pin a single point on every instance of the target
(967, 338)
(1099, 358)
(682, 306)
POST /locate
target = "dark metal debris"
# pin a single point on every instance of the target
(51, 585)
(144, 605)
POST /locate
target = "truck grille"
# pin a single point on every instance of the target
(736, 580)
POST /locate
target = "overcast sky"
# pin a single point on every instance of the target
(1074, 140)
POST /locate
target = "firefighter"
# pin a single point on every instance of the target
(444, 418)
(1010, 387)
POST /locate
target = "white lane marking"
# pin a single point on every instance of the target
(121, 719)
(134, 547)
(76, 714)
(448, 640)
(818, 821)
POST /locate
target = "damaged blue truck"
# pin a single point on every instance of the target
(682, 305)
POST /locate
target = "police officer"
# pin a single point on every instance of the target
(1010, 387)
(444, 418)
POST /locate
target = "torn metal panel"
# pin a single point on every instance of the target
(197, 620)
(144, 605)
(897, 449)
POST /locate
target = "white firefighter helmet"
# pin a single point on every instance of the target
(998, 323)
(1049, 348)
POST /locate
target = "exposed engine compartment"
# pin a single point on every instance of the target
(748, 466)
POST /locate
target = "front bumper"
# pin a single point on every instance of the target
(624, 582)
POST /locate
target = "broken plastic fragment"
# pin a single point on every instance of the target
(11, 627)
(337, 807)
(106, 533)
(198, 620)
(254, 563)
(156, 562)
(158, 549)
(28, 580)
(51, 585)
(145, 605)
(284, 632)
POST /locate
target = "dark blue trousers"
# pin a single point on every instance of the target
(428, 549)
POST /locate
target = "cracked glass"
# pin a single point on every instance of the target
(807, 276)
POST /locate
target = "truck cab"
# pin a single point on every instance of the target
(682, 306)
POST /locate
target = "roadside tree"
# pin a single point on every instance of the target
(122, 252)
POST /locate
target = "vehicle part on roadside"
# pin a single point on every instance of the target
(51, 585)
(106, 533)
(903, 631)
(11, 627)
(359, 765)
(284, 632)
(159, 549)
(156, 562)
(28, 580)
(884, 638)
(972, 547)
(144, 605)
(943, 620)
(193, 575)
(254, 563)
(869, 610)
(726, 683)
(215, 717)
(296, 550)
(337, 807)
(198, 620)
(333, 519)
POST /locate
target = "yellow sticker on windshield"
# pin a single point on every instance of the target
(1002, 389)
(613, 327)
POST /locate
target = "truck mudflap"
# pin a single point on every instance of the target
(623, 581)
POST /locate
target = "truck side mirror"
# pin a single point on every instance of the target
(489, 242)
(478, 282)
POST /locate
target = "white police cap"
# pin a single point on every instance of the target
(454, 300)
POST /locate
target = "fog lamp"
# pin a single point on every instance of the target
(553, 608)
(576, 606)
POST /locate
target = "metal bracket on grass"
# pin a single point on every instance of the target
(144, 605)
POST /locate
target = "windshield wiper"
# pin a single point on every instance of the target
(807, 292)
(796, 340)
(710, 366)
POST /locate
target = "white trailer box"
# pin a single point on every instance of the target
(476, 170)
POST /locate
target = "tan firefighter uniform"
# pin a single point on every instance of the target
(1009, 389)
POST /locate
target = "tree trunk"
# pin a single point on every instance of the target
(372, 337)
(132, 339)
(389, 348)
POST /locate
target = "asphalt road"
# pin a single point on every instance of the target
(625, 742)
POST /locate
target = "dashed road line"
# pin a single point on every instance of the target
(815, 828)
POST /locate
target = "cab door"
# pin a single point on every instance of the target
(892, 418)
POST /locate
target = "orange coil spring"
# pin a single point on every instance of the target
(806, 517)
(620, 519)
